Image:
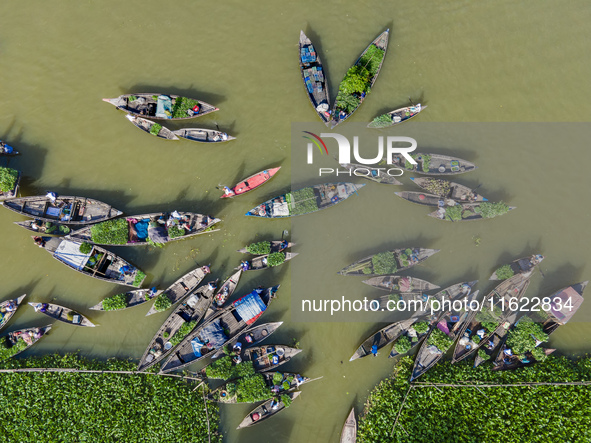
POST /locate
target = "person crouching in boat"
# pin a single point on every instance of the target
(245, 265)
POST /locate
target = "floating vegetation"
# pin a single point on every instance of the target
(110, 232)
(260, 248)
(504, 272)
(115, 302)
(8, 177)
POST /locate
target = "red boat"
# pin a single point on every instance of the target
(250, 183)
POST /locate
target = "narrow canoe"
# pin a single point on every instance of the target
(8, 309)
(400, 284)
(349, 432)
(139, 229)
(386, 335)
(523, 265)
(482, 325)
(68, 210)
(467, 212)
(187, 314)
(448, 190)
(132, 298)
(183, 286)
(152, 128)
(404, 258)
(6, 149)
(14, 191)
(203, 135)
(412, 337)
(222, 394)
(397, 116)
(16, 342)
(98, 263)
(225, 291)
(260, 262)
(432, 350)
(62, 314)
(250, 337)
(161, 106)
(434, 164)
(381, 43)
(251, 183)
(275, 245)
(378, 175)
(268, 357)
(265, 411)
(504, 362)
(220, 329)
(305, 201)
(422, 198)
(314, 77)
(45, 228)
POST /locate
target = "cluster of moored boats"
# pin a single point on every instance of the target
(507, 328)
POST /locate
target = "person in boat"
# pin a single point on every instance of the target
(299, 380)
(10, 306)
(248, 338)
(245, 265)
(37, 226)
(52, 196)
(374, 350)
(126, 270)
(228, 191)
(5, 149)
(264, 261)
(152, 292)
(39, 241)
(41, 307)
(193, 111)
(237, 359)
(212, 285)
(237, 348)
(274, 404)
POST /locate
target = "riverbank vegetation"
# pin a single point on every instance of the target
(506, 413)
(107, 407)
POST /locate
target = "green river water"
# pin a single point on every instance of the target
(481, 68)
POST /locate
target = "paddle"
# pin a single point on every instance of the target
(284, 233)
(477, 187)
(542, 273)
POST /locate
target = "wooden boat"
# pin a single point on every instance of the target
(8, 309)
(468, 212)
(349, 432)
(161, 106)
(265, 358)
(225, 291)
(523, 265)
(433, 164)
(250, 183)
(98, 263)
(314, 78)
(132, 298)
(62, 314)
(482, 325)
(396, 116)
(178, 325)
(422, 198)
(266, 410)
(16, 342)
(275, 245)
(152, 128)
(45, 228)
(220, 329)
(203, 135)
(434, 348)
(504, 362)
(305, 201)
(381, 42)
(448, 190)
(378, 175)
(182, 287)
(6, 149)
(260, 262)
(493, 343)
(154, 227)
(397, 283)
(405, 258)
(563, 305)
(250, 337)
(386, 335)
(11, 193)
(226, 392)
(67, 210)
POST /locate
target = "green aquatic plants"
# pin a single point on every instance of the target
(182, 105)
(85, 248)
(175, 232)
(8, 177)
(155, 129)
(490, 210)
(539, 354)
(87, 407)
(436, 186)
(252, 389)
(522, 338)
(221, 368)
(384, 263)
(356, 81)
(421, 327)
(475, 339)
(139, 278)
(183, 331)
(426, 162)
(7, 351)
(302, 201)
(403, 345)
(277, 378)
(260, 248)
(404, 257)
(453, 213)
(110, 232)
(381, 121)
(347, 102)
(440, 340)
(490, 326)
(372, 59)
(275, 259)
(504, 272)
(286, 400)
(483, 355)
(162, 303)
(487, 414)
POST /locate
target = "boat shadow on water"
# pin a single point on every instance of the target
(559, 277)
